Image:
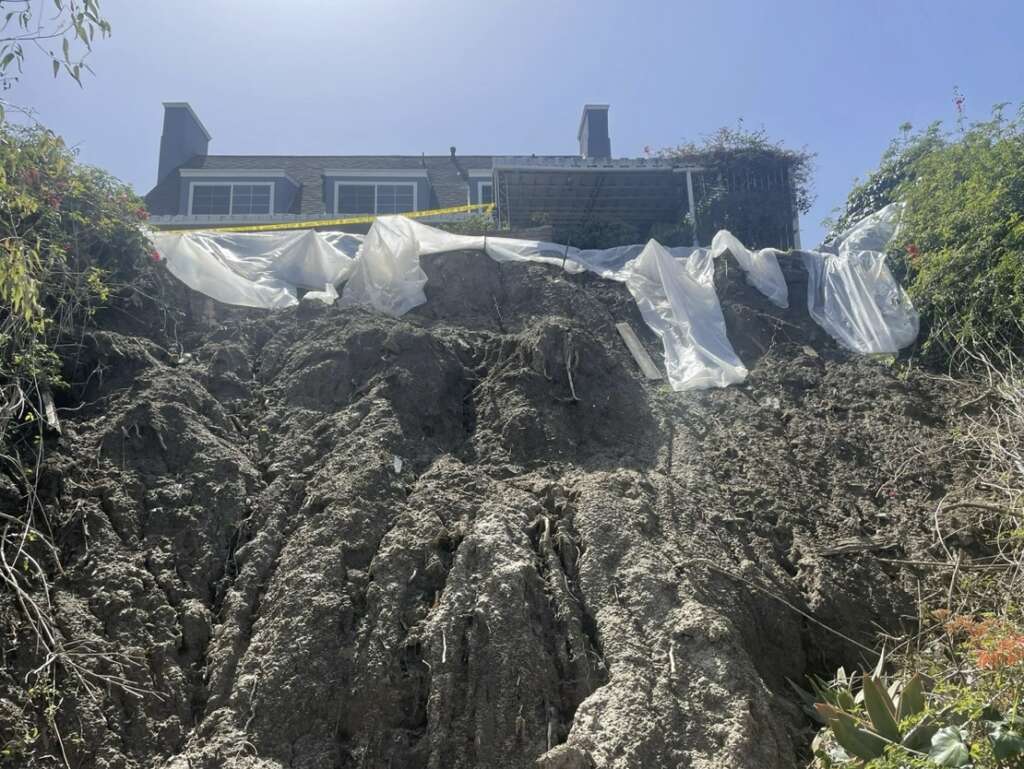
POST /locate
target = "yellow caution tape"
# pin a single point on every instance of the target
(486, 208)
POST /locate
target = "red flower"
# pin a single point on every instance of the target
(154, 255)
(141, 213)
(912, 251)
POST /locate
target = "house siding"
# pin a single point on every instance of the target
(444, 185)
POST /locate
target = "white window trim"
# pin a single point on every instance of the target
(481, 172)
(375, 185)
(239, 173)
(231, 196)
(480, 190)
(387, 173)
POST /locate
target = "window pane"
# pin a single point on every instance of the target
(211, 199)
(355, 199)
(487, 193)
(251, 199)
(394, 198)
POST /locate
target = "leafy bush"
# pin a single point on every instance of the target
(69, 236)
(749, 185)
(961, 246)
(963, 237)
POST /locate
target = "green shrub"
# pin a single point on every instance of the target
(963, 238)
(70, 237)
(961, 246)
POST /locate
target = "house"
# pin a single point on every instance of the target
(196, 188)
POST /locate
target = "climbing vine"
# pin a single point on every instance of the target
(747, 184)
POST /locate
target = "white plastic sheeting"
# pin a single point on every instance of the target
(674, 288)
(872, 233)
(761, 267)
(853, 296)
(678, 300)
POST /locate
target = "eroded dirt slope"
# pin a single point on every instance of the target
(475, 536)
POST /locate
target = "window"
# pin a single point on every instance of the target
(211, 199)
(374, 198)
(394, 198)
(485, 192)
(250, 199)
(355, 199)
(226, 199)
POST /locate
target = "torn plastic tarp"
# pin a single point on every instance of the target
(212, 265)
(853, 295)
(677, 299)
(872, 233)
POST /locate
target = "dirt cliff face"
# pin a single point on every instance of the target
(473, 536)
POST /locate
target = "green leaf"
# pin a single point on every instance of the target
(881, 710)
(1006, 741)
(67, 48)
(56, 67)
(920, 736)
(948, 748)
(911, 700)
(880, 667)
(856, 741)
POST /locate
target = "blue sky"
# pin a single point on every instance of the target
(379, 77)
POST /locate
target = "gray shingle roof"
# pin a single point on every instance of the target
(448, 188)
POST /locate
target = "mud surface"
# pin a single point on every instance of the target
(474, 536)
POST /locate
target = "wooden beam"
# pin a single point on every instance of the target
(643, 360)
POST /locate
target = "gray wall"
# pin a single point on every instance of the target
(183, 138)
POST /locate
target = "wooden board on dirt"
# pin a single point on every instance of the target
(643, 360)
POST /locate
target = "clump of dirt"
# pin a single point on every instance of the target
(474, 536)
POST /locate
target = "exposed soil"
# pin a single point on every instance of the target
(474, 536)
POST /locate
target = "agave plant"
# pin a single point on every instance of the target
(866, 734)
